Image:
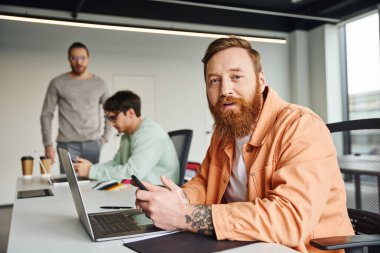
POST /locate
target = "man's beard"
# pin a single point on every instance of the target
(78, 72)
(230, 124)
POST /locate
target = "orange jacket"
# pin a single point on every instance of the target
(295, 190)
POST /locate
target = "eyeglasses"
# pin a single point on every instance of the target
(111, 118)
(77, 58)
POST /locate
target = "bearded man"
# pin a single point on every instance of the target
(79, 95)
(271, 172)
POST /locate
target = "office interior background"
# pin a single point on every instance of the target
(166, 71)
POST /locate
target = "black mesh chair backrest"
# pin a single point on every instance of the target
(364, 222)
(182, 140)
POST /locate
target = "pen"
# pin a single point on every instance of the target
(97, 185)
(105, 187)
(116, 207)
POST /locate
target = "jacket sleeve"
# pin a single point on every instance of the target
(196, 188)
(304, 171)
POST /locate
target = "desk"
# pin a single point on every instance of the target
(361, 165)
(51, 224)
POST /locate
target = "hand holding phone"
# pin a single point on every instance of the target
(139, 184)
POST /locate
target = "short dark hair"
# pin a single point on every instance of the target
(229, 42)
(78, 45)
(122, 101)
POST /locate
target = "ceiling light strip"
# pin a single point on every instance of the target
(137, 29)
(272, 13)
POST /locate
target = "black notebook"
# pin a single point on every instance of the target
(184, 242)
(34, 193)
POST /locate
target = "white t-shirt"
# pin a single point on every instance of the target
(237, 186)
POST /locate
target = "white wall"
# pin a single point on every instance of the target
(32, 54)
(316, 74)
(325, 73)
(299, 65)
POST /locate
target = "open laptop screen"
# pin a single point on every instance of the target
(75, 191)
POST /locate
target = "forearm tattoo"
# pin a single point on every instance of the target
(201, 220)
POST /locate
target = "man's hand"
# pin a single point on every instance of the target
(103, 140)
(82, 167)
(167, 206)
(169, 209)
(49, 152)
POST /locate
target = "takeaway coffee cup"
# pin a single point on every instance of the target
(47, 164)
(27, 166)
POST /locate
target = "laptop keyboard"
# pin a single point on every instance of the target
(112, 223)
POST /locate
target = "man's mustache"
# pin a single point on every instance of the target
(229, 99)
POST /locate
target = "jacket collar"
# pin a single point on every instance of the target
(272, 105)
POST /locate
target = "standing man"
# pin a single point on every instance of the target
(270, 173)
(79, 95)
(146, 149)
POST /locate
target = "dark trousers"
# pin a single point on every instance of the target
(89, 150)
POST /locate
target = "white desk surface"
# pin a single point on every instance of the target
(51, 224)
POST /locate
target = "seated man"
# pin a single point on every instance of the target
(271, 172)
(146, 150)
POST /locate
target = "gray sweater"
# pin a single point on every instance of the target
(79, 109)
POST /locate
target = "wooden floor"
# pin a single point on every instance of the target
(5, 223)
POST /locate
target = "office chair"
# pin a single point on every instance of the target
(366, 224)
(366, 239)
(182, 140)
(358, 124)
(363, 169)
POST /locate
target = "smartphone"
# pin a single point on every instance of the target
(138, 182)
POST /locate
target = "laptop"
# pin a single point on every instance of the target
(107, 225)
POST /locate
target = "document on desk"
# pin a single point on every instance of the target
(140, 238)
(184, 242)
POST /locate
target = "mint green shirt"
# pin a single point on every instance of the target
(147, 154)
